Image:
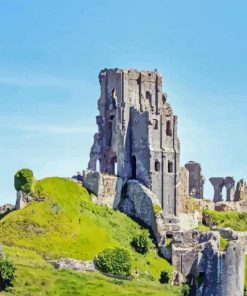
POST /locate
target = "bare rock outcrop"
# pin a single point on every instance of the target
(68, 263)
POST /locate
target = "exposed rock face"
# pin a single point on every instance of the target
(68, 263)
(196, 179)
(139, 202)
(137, 133)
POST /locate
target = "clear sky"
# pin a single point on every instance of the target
(52, 51)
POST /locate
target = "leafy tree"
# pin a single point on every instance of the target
(24, 180)
(114, 261)
(7, 273)
(141, 243)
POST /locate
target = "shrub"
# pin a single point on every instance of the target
(114, 261)
(157, 209)
(185, 291)
(7, 273)
(24, 180)
(164, 277)
(141, 243)
(223, 243)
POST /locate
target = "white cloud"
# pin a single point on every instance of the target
(51, 129)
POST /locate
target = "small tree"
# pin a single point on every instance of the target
(114, 261)
(164, 277)
(7, 273)
(24, 180)
(141, 243)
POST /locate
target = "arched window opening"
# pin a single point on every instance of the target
(148, 96)
(168, 128)
(170, 167)
(113, 93)
(133, 165)
(164, 98)
(115, 169)
(97, 165)
(156, 124)
(110, 133)
(157, 166)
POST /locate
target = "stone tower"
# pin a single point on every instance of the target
(137, 133)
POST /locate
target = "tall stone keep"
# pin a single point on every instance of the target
(137, 133)
(196, 179)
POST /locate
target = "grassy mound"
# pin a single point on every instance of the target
(235, 220)
(68, 224)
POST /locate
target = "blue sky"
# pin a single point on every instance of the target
(52, 51)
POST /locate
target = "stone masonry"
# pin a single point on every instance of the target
(218, 184)
(134, 167)
(196, 179)
(137, 133)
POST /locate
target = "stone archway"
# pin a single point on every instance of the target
(219, 183)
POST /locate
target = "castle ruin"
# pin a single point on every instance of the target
(134, 167)
(137, 133)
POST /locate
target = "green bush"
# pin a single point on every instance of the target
(141, 243)
(185, 291)
(7, 273)
(24, 180)
(114, 261)
(164, 277)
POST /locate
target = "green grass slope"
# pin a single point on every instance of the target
(68, 224)
(235, 220)
(35, 277)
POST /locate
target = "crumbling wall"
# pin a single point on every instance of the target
(196, 179)
(107, 188)
(241, 191)
(222, 271)
(23, 199)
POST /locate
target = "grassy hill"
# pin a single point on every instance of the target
(68, 224)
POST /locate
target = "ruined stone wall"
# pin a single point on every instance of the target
(241, 191)
(208, 269)
(137, 133)
(196, 179)
(107, 188)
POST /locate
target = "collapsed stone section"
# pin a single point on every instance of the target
(137, 133)
(196, 179)
(241, 191)
(232, 194)
(208, 269)
(218, 184)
